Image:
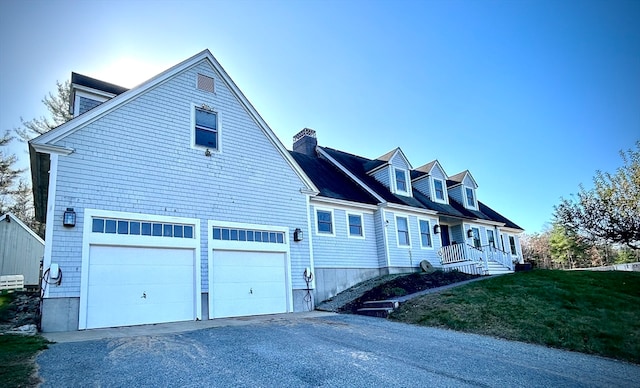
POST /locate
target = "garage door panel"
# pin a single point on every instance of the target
(140, 315)
(136, 285)
(248, 283)
(256, 274)
(130, 274)
(231, 291)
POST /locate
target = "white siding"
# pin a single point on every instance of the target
(411, 256)
(340, 251)
(138, 158)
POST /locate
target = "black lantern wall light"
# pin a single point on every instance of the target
(69, 218)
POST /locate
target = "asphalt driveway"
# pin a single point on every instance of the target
(323, 351)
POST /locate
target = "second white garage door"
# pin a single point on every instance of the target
(133, 286)
(247, 283)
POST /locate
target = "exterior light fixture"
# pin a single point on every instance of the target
(469, 233)
(69, 217)
(298, 235)
(436, 229)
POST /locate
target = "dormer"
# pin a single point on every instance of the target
(87, 93)
(463, 188)
(431, 180)
(393, 170)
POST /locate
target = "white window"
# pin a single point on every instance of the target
(471, 200)
(491, 237)
(512, 245)
(401, 181)
(206, 128)
(354, 222)
(324, 222)
(402, 226)
(438, 187)
(425, 234)
(476, 237)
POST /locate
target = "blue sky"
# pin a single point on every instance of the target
(531, 96)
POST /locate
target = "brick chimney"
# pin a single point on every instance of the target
(305, 142)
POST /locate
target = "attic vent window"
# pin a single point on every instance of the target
(205, 83)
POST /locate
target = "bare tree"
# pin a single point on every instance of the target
(58, 107)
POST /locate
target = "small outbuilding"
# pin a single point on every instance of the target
(21, 250)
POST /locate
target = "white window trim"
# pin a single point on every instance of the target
(515, 245)
(431, 224)
(333, 222)
(407, 192)
(91, 96)
(408, 232)
(192, 128)
(495, 242)
(479, 236)
(444, 191)
(348, 213)
(466, 200)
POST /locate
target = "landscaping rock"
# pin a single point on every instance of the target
(24, 330)
(23, 311)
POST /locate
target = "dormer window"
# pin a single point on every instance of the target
(401, 180)
(471, 200)
(438, 187)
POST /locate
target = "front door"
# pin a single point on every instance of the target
(444, 235)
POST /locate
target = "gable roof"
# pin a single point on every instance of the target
(425, 170)
(46, 143)
(388, 157)
(10, 217)
(458, 178)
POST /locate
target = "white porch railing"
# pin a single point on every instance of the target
(461, 255)
(498, 255)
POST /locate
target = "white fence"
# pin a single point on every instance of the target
(11, 282)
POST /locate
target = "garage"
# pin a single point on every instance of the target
(249, 270)
(248, 283)
(138, 269)
(134, 286)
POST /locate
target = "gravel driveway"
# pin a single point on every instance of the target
(333, 351)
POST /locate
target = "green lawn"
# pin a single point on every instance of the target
(16, 359)
(17, 352)
(584, 311)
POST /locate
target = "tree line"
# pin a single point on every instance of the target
(595, 227)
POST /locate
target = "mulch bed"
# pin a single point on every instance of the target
(406, 285)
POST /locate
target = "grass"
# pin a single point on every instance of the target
(17, 352)
(590, 312)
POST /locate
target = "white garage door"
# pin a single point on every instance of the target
(248, 283)
(134, 286)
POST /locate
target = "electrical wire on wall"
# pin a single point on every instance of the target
(46, 281)
(308, 298)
